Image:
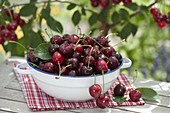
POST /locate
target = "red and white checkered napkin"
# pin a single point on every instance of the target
(38, 100)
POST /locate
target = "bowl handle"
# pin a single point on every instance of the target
(22, 71)
(126, 63)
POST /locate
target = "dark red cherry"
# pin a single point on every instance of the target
(73, 62)
(57, 40)
(95, 3)
(5, 33)
(73, 38)
(72, 73)
(12, 26)
(79, 48)
(57, 58)
(8, 12)
(101, 66)
(78, 70)
(102, 56)
(41, 65)
(118, 56)
(89, 60)
(66, 36)
(49, 67)
(102, 40)
(135, 95)
(1, 27)
(88, 41)
(66, 50)
(113, 63)
(116, 1)
(107, 51)
(53, 48)
(127, 2)
(21, 22)
(104, 3)
(13, 36)
(86, 70)
(16, 17)
(95, 90)
(77, 55)
(102, 101)
(65, 70)
(1, 40)
(119, 90)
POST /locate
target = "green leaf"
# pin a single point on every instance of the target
(119, 99)
(124, 14)
(83, 11)
(148, 93)
(133, 6)
(76, 17)
(144, 8)
(115, 17)
(134, 29)
(126, 31)
(42, 51)
(28, 10)
(35, 39)
(103, 15)
(2, 20)
(93, 18)
(71, 6)
(54, 24)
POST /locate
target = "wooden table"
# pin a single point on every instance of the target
(12, 99)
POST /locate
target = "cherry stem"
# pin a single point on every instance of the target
(59, 70)
(47, 33)
(124, 40)
(79, 29)
(86, 45)
(33, 64)
(76, 44)
(108, 35)
(94, 78)
(99, 44)
(89, 57)
(103, 81)
(10, 14)
(65, 68)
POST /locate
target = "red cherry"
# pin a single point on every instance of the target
(1, 40)
(135, 95)
(16, 17)
(79, 48)
(95, 90)
(101, 66)
(73, 39)
(49, 67)
(8, 12)
(5, 33)
(95, 3)
(127, 2)
(107, 51)
(12, 26)
(104, 3)
(161, 24)
(57, 58)
(13, 36)
(119, 90)
(21, 22)
(88, 41)
(102, 101)
(1, 27)
(116, 1)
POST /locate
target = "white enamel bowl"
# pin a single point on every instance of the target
(71, 88)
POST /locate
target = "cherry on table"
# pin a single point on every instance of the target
(102, 101)
(119, 90)
(135, 95)
(95, 90)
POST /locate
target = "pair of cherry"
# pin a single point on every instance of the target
(7, 32)
(105, 3)
(102, 100)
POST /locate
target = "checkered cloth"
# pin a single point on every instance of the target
(38, 100)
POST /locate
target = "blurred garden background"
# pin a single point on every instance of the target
(147, 40)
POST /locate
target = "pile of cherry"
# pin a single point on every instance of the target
(78, 56)
(7, 32)
(105, 3)
(160, 19)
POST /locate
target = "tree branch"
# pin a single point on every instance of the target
(132, 15)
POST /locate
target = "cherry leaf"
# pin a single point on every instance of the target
(42, 51)
(149, 94)
(119, 99)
